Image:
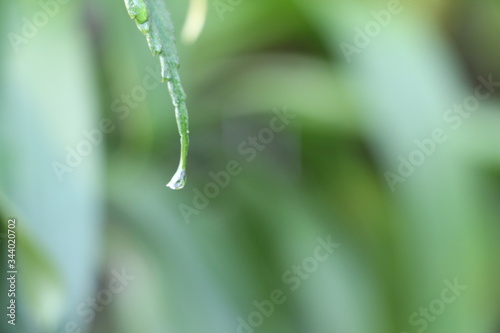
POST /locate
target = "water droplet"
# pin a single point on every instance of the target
(178, 180)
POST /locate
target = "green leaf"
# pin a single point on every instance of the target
(154, 21)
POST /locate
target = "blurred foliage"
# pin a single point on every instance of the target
(323, 175)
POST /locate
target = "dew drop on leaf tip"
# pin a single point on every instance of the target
(178, 180)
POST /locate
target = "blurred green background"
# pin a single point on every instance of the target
(197, 264)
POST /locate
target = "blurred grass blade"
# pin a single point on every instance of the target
(42, 297)
(195, 21)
